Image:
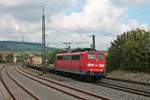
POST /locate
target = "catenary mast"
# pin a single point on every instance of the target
(43, 36)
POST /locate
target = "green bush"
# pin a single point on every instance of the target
(130, 51)
(52, 56)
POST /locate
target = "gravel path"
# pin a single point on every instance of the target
(126, 84)
(107, 92)
(41, 91)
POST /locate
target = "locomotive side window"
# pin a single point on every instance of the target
(66, 57)
(75, 57)
(91, 56)
(100, 56)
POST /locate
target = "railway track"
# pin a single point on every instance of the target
(15, 89)
(77, 93)
(7, 93)
(133, 82)
(124, 87)
(130, 89)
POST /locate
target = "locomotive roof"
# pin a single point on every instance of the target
(75, 53)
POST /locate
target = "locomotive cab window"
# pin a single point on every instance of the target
(91, 56)
(100, 56)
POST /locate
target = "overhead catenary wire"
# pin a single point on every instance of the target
(72, 41)
(53, 39)
(84, 39)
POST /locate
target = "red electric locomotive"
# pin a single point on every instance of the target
(82, 63)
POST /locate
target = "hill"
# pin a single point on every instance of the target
(13, 46)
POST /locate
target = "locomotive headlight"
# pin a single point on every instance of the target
(101, 70)
(101, 65)
(90, 65)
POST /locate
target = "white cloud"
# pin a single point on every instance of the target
(13, 2)
(100, 17)
(97, 16)
(11, 24)
(13, 29)
(132, 25)
(130, 2)
(8, 3)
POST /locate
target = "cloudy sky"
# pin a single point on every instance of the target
(72, 20)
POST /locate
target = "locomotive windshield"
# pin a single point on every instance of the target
(100, 56)
(91, 56)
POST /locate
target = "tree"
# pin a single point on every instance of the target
(52, 55)
(9, 58)
(136, 53)
(115, 56)
(130, 51)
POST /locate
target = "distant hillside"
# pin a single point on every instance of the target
(20, 46)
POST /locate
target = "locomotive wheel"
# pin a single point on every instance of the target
(91, 78)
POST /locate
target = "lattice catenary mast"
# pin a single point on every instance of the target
(43, 36)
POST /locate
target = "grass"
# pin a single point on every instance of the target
(133, 76)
